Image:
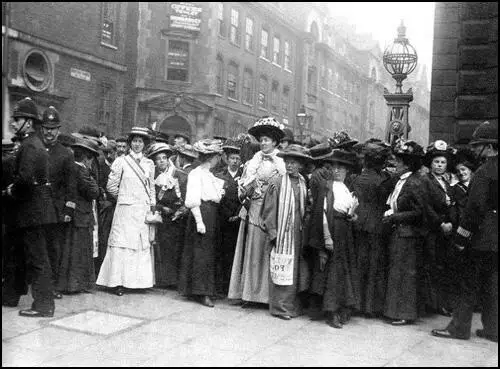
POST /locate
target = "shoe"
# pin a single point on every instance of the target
(57, 295)
(334, 322)
(345, 316)
(445, 333)
(284, 317)
(401, 322)
(119, 291)
(206, 301)
(35, 314)
(482, 334)
(246, 305)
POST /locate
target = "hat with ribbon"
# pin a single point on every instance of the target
(208, 146)
(435, 149)
(139, 131)
(408, 148)
(87, 144)
(295, 151)
(484, 134)
(187, 150)
(94, 139)
(222, 138)
(341, 140)
(268, 126)
(159, 147)
(231, 146)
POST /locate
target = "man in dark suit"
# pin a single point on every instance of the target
(228, 214)
(35, 209)
(63, 184)
(477, 237)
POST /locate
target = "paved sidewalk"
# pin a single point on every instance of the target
(160, 328)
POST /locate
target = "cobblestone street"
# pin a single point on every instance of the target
(160, 328)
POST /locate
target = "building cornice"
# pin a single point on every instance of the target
(39, 42)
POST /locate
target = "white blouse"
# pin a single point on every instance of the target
(343, 199)
(392, 201)
(202, 185)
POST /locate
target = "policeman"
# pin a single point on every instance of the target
(63, 185)
(35, 208)
(477, 237)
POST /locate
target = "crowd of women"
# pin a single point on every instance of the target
(330, 229)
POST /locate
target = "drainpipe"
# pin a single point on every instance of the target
(5, 74)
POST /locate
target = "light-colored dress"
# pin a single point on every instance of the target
(250, 271)
(129, 260)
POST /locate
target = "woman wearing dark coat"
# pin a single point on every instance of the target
(438, 250)
(77, 264)
(334, 270)
(372, 189)
(403, 301)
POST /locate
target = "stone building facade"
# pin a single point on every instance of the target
(69, 55)
(465, 69)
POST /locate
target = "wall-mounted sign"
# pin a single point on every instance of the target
(185, 16)
(396, 127)
(80, 74)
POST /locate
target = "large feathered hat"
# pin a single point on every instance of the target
(267, 126)
(342, 140)
(408, 148)
(208, 146)
(435, 149)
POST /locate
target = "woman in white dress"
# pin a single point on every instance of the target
(129, 260)
(250, 272)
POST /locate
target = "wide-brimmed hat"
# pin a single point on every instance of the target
(159, 147)
(288, 136)
(465, 157)
(295, 151)
(94, 139)
(51, 118)
(267, 126)
(26, 108)
(139, 131)
(161, 137)
(435, 149)
(320, 151)
(208, 146)
(183, 135)
(87, 144)
(187, 150)
(342, 140)
(110, 146)
(408, 148)
(484, 134)
(231, 146)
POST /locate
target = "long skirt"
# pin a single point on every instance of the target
(105, 220)
(225, 254)
(338, 282)
(404, 298)
(128, 268)
(197, 273)
(168, 258)
(250, 271)
(372, 269)
(76, 268)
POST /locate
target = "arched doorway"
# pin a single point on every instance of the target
(175, 124)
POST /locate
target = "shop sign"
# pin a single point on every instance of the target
(185, 16)
(80, 74)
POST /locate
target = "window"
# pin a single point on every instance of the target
(263, 92)
(323, 80)
(264, 44)
(285, 101)
(219, 78)
(276, 50)
(37, 71)
(234, 32)
(104, 112)
(371, 116)
(232, 81)
(288, 57)
(247, 86)
(108, 31)
(330, 80)
(220, 18)
(311, 80)
(219, 127)
(274, 97)
(249, 35)
(178, 61)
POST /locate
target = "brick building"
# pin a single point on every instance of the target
(465, 69)
(69, 55)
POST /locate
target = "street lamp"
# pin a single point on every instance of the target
(400, 59)
(303, 120)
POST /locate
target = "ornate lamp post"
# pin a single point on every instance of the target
(400, 59)
(303, 119)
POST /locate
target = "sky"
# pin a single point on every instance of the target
(382, 20)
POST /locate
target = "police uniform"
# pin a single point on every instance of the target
(35, 210)
(62, 176)
(478, 234)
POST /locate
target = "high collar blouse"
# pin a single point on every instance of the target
(202, 185)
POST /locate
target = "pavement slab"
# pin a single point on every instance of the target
(158, 327)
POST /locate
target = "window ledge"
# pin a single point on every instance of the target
(105, 44)
(267, 60)
(218, 95)
(247, 104)
(263, 109)
(231, 99)
(276, 65)
(287, 70)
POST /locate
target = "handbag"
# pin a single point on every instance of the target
(153, 217)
